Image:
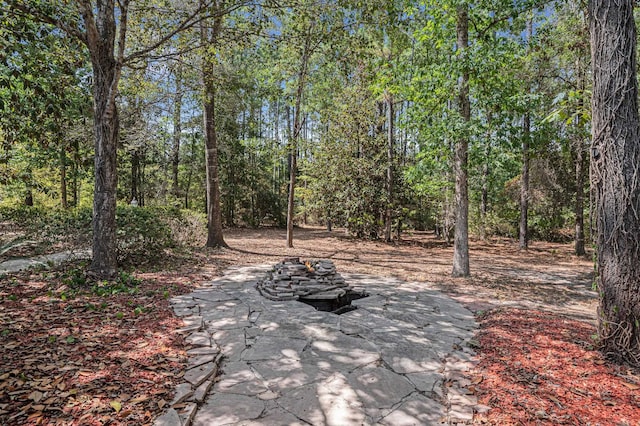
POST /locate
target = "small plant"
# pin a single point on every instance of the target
(75, 278)
(119, 315)
(138, 310)
(52, 339)
(13, 297)
(70, 340)
(128, 280)
(5, 333)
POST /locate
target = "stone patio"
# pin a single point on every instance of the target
(400, 358)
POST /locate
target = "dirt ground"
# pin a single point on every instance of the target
(548, 276)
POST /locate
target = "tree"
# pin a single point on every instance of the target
(615, 167)
(461, 235)
(102, 26)
(524, 179)
(209, 38)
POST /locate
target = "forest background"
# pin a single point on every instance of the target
(364, 101)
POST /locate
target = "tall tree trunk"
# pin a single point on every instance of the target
(579, 206)
(486, 170)
(461, 235)
(64, 199)
(214, 211)
(615, 167)
(101, 32)
(74, 171)
(524, 181)
(297, 127)
(524, 184)
(580, 169)
(135, 176)
(106, 126)
(388, 216)
(177, 130)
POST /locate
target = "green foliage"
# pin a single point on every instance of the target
(143, 232)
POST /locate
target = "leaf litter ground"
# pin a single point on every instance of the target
(79, 358)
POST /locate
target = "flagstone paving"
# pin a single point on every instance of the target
(400, 358)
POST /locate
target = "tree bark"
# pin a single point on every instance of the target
(101, 39)
(214, 211)
(135, 176)
(461, 233)
(615, 171)
(388, 216)
(524, 180)
(579, 206)
(64, 199)
(297, 127)
(524, 184)
(580, 169)
(177, 130)
(75, 166)
(215, 237)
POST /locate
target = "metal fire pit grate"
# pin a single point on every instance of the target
(315, 283)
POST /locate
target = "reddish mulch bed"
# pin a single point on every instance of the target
(79, 353)
(537, 368)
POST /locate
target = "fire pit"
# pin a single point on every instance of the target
(315, 283)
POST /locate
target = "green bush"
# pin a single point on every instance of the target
(143, 232)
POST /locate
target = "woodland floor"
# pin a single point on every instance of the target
(71, 354)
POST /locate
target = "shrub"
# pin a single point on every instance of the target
(189, 228)
(143, 232)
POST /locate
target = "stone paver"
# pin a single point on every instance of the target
(400, 358)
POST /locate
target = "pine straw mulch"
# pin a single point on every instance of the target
(80, 353)
(539, 368)
(71, 356)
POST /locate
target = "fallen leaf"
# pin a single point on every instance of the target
(477, 380)
(138, 399)
(631, 386)
(162, 403)
(116, 405)
(36, 396)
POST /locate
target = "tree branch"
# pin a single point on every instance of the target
(38, 15)
(190, 21)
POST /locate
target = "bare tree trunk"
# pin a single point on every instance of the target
(388, 216)
(297, 127)
(615, 168)
(524, 184)
(580, 169)
(64, 200)
(135, 176)
(461, 236)
(177, 130)
(74, 170)
(524, 181)
(579, 206)
(214, 211)
(106, 126)
(486, 170)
